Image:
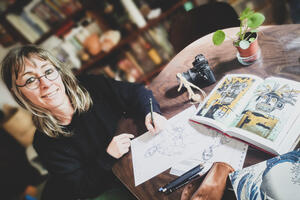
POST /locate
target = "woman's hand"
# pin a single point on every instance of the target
(159, 122)
(119, 145)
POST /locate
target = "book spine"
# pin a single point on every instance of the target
(42, 11)
(71, 37)
(160, 36)
(141, 56)
(152, 52)
(34, 18)
(67, 7)
(55, 9)
(46, 13)
(42, 24)
(33, 25)
(24, 28)
(134, 61)
(156, 45)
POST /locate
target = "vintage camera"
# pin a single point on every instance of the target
(200, 74)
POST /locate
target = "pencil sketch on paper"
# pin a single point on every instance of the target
(177, 141)
(218, 140)
(168, 144)
(215, 147)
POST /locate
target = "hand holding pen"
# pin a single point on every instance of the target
(154, 121)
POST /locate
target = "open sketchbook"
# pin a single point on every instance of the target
(276, 178)
(261, 112)
(154, 153)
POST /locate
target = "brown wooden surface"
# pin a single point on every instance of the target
(280, 48)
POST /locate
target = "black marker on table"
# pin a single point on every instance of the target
(181, 180)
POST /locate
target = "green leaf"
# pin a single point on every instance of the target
(238, 33)
(251, 39)
(254, 31)
(255, 20)
(218, 37)
(246, 13)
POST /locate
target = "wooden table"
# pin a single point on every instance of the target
(280, 48)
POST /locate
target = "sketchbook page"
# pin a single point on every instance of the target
(253, 139)
(215, 147)
(272, 110)
(292, 135)
(276, 178)
(154, 153)
(227, 100)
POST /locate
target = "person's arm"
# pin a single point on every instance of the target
(137, 97)
(133, 98)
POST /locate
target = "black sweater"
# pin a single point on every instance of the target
(79, 166)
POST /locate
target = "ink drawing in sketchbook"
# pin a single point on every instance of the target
(276, 178)
(264, 113)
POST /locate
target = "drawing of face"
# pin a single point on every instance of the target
(232, 92)
(219, 113)
(269, 102)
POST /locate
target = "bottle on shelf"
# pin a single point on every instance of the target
(143, 7)
(134, 13)
(139, 52)
(160, 36)
(158, 39)
(116, 16)
(148, 44)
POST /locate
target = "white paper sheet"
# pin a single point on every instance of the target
(153, 154)
(221, 149)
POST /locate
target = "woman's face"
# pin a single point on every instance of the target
(48, 94)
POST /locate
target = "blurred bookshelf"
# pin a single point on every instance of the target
(104, 36)
(61, 26)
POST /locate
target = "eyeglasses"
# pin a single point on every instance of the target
(34, 82)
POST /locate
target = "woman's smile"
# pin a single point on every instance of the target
(51, 94)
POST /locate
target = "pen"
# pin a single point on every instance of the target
(151, 111)
(181, 180)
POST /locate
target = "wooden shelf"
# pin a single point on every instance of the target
(18, 5)
(94, 60)
(59, 25)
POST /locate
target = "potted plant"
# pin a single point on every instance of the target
(246, 41)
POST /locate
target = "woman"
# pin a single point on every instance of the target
(75, 119)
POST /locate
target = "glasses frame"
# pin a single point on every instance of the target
(38, 78)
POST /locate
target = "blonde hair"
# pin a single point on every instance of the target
(14, 62)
